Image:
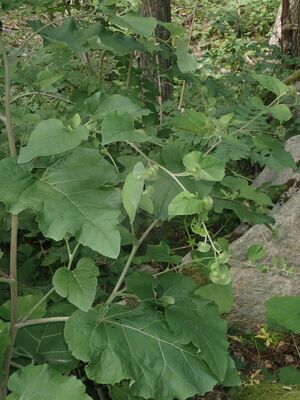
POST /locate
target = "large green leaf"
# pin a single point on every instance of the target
(70, 197)
(120, 127)
(136, 344)
(284, 312)
(79, 285)
(133, 189)
(52, 137)
(45, 343)
(41, 382)
(196, 320)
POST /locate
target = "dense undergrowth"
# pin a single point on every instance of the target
(104, 188)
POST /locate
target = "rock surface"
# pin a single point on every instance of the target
(251, 287)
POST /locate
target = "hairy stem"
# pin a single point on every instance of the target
(14, 228)
(135, 248)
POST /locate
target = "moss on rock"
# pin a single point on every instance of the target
(269, 392)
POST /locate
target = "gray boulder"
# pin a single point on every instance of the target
(251, 287)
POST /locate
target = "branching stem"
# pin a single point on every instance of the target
(134, 250)
(173, 176)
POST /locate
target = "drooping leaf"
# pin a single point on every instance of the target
(136, 344)
(70, 191)
(284, 312)
(220, 294)
(41, 382)
(204, 167)
(271, 83)
(233, 148)
(175, 28)
(278, 158)
(142, 284)
(196, 320)
(79, 285)
(25, 304)
(48, 77)
(144, 26)
(120, 127)
(281, 112)
(242, 189)
(160, 253)
(122, 105)
(186, 61)
(133, 189)
(186, 203)
(243, 212)
(190, 121)
(52, 137)
(165, 188)
(116, 42)
(68, 34)
(45, 343)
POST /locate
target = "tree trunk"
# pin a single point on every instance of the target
(161, 10)
(290, 27)
(275, 39)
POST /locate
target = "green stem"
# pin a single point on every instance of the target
(40, 321)
(14, 228)
(72, 254)
(36, 306)
(134, 250)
